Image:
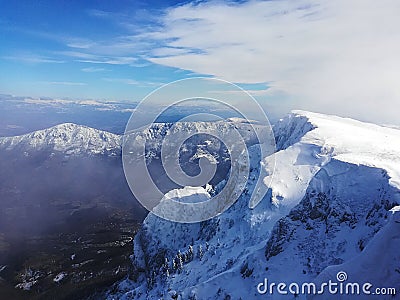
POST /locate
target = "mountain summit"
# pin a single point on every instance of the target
(68, 138)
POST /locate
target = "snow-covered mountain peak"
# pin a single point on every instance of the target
(350, 140)
(68, 138)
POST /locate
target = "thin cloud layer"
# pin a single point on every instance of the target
(68, 83)
(337, 57)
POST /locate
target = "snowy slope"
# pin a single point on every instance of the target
(332, 187)
(378, 264)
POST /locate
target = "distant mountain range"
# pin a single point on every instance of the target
(77, 167)
(73, 139)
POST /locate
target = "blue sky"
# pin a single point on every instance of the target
(339, 57)
(80, 49)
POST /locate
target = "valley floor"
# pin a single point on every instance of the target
(71, 262)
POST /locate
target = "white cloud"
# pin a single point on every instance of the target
(99, 59)
(129, 81)
(92, 70)
(122, 80)
(33, 59)
(70, 83)
(79, 43)
(99, 13)
(170, 51)
(337, 57)
(111, 61)
(253, 93)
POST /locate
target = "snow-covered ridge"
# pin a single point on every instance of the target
(307, 142)
(352, 141)
(68, 138)
(73, 139)
(333, 184)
